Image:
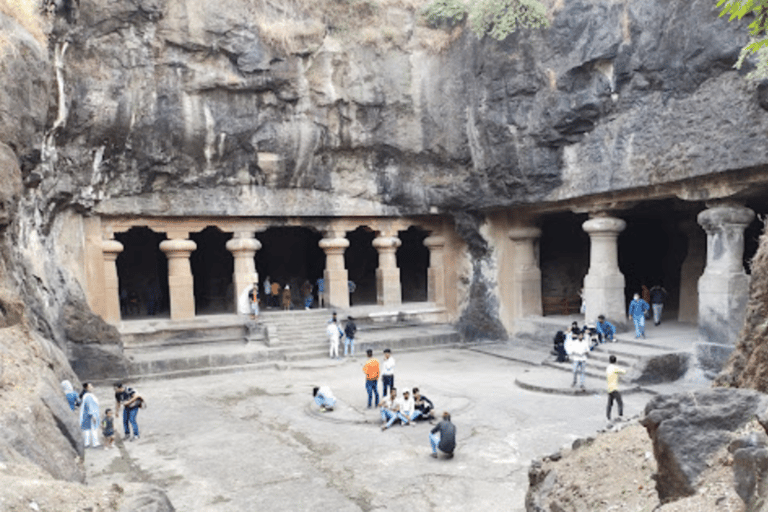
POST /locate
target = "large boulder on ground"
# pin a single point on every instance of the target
(687, 429)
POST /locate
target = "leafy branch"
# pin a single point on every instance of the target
(496, 18)
(758, 31)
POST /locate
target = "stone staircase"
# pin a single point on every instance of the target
(229, 343)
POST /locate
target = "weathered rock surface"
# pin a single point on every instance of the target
(688, 429)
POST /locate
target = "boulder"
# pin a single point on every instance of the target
(687, 429)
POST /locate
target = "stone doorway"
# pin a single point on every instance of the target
(413, 261)
(212, 267)
(290, 256)
(564, 261)
(142, 272)
(361, 260)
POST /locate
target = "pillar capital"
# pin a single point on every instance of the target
(724, 216)
(236, 245)
(329, 244)
(434, 241)
(111, 249)
(178, 248)
(604, 225)
(386, 242)
(524, 233)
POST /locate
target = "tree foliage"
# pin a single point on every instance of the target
(758, 31)
(496, 18)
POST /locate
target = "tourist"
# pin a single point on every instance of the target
(349, 336)
(605, 329)
(443, 436)
(275, 294)
(287, 297)
(321, 292)
(351, 287)
(612, 373)
(387, 371)
(334, 336)
(577, 350)
(583, 307)
(371, 371)
(131, 402)
(267, 292)
(645, 294)
(423, 404)
(559, 347)
(306, 293)
(89, 416)
(407, 412)
(72, 399)
(575, 329)
(253, 300)
(108, 429)
(658, 296)
(324, 398)
(637, 309)
(390, 407)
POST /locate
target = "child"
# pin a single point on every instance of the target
(612, 373)
(108, 429)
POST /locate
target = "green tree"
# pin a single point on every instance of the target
(758, 32)
(496, 18)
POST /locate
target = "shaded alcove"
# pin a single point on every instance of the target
(291, 255)
(142, 272)
(361, 260)
(413, 262)
(564, 261)
(212, 267)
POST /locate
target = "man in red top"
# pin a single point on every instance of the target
(371, 371)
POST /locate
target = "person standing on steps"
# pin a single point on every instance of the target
(658, 296)
(253, 300)
(349, 336)
(612, 373)
(371, 371)
(267, 292)
(637, 309)
(334, 336)
(577, 349)
(388, 371)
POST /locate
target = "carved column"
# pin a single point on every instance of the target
(604, 282)
(243, 248)
(436, 270)
(526, 274)
(690, 271)
(335, 274)
(180, 280)
(111, 249)
(388, 292)
(724, 286)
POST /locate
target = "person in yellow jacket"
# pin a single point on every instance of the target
(612, 373)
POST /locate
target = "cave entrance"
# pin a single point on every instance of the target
(142, 273)
(361, 260)
(413, 261)
(290, 256)
(212, 267)
(564, 261)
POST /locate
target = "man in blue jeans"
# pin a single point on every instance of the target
(131, 402)
(443, 436)
(637, 309)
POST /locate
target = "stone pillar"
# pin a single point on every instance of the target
(724, 286)
(111, 249)
(436, 270)
(690, 272)
(243, 248)
(335, 274)
(604, 282)
(388, 292)
(526, 275)
(180, 280)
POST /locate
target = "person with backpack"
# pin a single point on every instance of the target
(349, 337)
(131, 402)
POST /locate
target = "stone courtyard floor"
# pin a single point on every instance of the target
(255, 441)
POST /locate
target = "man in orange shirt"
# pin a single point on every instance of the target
(371, 371)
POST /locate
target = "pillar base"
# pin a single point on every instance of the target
(388, 292)
(336, 288)
(722, 307)
(604, 295)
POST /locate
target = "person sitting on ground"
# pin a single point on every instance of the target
(559, 349)
(424, 405)
(443, 436)
(590, 333)
(605, 329)
(575, 329)
(390, 406)
(324, 398)
(407, 412)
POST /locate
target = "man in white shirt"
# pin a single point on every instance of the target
(408, 411)
(390, 407)
(334, 336)
(577, 349)
(388, 371)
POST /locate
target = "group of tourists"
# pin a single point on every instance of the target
(90, 420)
(336, 335)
